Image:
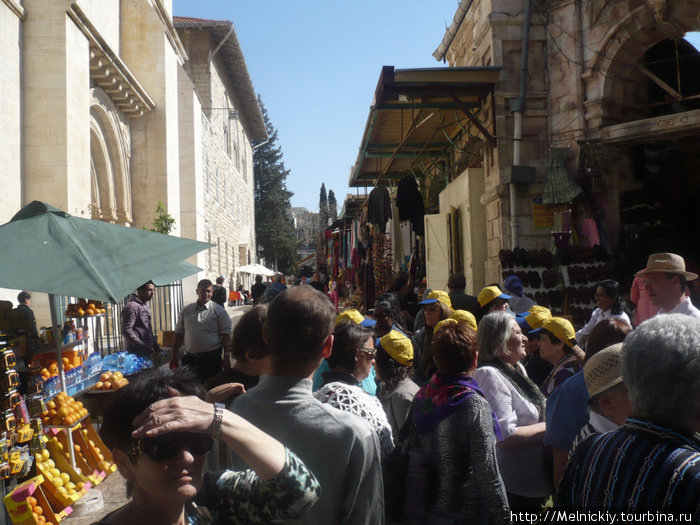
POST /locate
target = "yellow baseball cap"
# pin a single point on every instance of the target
(488, 294)
(560, 328)
(438, 296)
(464, 316)
(354, 316)
(398, 346)
(442, 324)
(533, 318)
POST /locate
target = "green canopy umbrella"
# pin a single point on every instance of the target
(177, 272)
(47, 250)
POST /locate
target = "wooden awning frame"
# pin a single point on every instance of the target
(420, 114)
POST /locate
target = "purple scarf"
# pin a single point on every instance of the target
(441, 396)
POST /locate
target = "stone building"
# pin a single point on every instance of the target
(221, 210)
(616, 84)
(100, 117)
(306, 226)
(612, 87)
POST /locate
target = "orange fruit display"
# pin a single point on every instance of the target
(111, 381)
(63, 410)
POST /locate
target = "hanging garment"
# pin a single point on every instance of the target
(410, 203)
(379, 208)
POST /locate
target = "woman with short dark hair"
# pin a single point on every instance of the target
(457, 430)
(351, 362)
(558, 346)
(159, 429)
(387, 313)
(249, 351)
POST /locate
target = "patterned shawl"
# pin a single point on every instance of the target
(440, 397)
(522, 384)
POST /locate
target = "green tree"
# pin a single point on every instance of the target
(274, 230)
(323, 208)
(332, 206)
(164, 222)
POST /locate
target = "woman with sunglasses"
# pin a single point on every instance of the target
(159, 429)
(351, 360)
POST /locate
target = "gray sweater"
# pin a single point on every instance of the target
(462, 452)
(396, 403)
(339, 448)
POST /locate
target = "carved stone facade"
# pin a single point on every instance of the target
(616, 74)
(99, 117)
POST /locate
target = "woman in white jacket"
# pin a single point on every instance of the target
(519, 407)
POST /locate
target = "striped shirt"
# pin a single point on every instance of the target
(639, 467)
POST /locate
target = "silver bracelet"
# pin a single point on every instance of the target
(218, 418)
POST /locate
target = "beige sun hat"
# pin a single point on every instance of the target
(667, 263)
(603, 370)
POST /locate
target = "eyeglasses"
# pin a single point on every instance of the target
(167, 447)
(369, 350)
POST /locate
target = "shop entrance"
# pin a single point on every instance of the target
(654, 155)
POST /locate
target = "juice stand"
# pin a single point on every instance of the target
(44, 249)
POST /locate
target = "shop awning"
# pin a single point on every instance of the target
(417, 116)
(352, 207)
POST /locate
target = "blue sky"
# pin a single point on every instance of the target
(316, 66)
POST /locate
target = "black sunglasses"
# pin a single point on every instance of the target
(167, 447)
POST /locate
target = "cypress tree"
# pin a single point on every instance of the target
(274, 230)
(323, 207)
(332, 206)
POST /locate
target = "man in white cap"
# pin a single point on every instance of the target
(666, 280)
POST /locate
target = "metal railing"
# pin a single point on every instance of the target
(105, 331)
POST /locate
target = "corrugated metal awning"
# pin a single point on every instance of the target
(418, 114)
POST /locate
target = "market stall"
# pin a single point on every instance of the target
(50, 444)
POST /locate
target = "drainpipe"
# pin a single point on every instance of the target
(518, 106)
(231, 31)
(261, 144)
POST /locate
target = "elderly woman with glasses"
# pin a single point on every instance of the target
(351, 361)
(159, 429)
(519, 407)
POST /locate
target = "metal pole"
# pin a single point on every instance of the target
(519, 108)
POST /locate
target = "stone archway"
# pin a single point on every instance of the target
(652, 167)
(110, 154)
(613, 72)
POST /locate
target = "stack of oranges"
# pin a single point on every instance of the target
(52, 369)
(37, 511)
(63, 410)
(85, 307)
(111, 381)
(49, 371)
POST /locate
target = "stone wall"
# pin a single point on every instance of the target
(227, 211)
(153, 58)
(11, 14)
(491, 34)
(581, 74)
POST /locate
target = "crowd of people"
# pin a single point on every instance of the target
(459, 411)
